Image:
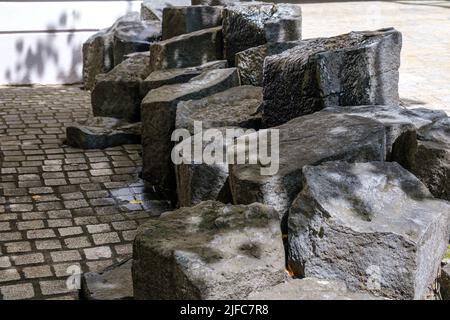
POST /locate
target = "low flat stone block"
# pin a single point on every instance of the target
(234, 107)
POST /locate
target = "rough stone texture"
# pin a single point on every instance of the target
(311, 289)
(135, 36)
(58, 203)
(247, 25)
(358, 68)
(97, 57)
(250, 62)
(117, 93)
(102, 132)
(431, 162)
(444, 282)
(113, 283)
(210, 251)
(187, 19)
(311, 139)
(163, 77)
(373, 225)
(200, 181)
(401, 125)
(428, 114)
(235, 107)
(128, 34)
(158, 121)
(187, 50)
(216, 2)
(444, 277)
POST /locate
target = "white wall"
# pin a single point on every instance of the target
(40, 41)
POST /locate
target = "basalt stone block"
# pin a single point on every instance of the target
(98, 57)
(117, 93)
(444, 282)
(431, 162)
(114, 283)
(431, 115)
(235, 107)
(149, 13)
(251, 24)
(187, 50)
(98, 50)
(199, 181)
(374, 226)
(401, 125)
(102, 132)
(135, 37)
(210, 251)
(358, 68)
(311, 289)
(250, 62)
(187, 19)
(158, 120)
(311, 139)
(163, 77)
(444, 278)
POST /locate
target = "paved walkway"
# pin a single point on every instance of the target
(60, 207)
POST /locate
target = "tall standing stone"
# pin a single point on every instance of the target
(164, 77)
(248, 24)
(431, 163)
(373, 225)
(158, 122)
(358, 68)
(117, 93)
(187, 19)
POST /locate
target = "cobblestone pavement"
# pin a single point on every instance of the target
(60, 207)
(425, 25)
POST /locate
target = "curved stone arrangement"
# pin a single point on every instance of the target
(354, 203)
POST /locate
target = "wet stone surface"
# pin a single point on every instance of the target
(61, 208)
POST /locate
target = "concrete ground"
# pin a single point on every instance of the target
(425, 26)
(62, 208)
